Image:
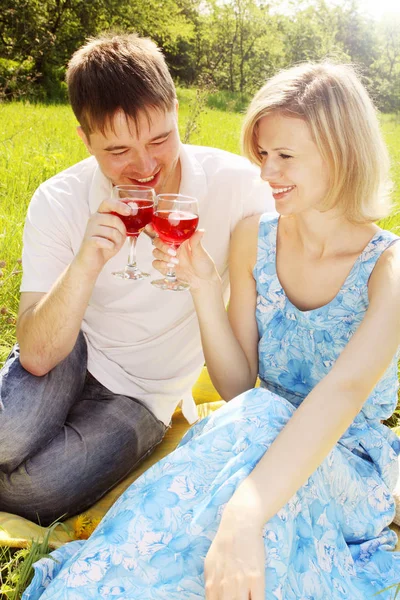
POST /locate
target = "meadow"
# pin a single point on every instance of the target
(37, 141)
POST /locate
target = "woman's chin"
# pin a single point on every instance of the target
(284, 210)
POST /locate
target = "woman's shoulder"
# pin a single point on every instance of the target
(244, 240)
(247, 226)
(382, 248)
(386, 272)
(252, 225)
(389, 245)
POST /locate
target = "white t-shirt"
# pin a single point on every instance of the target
(142, 342)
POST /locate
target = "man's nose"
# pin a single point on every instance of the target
(143, 163)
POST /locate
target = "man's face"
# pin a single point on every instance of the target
(143, 154)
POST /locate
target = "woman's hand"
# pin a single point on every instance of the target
(191, 262)
(234, 566)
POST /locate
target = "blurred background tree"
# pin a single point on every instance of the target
(237, 44)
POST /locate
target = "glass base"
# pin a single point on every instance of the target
(132, 274)
(173, 285)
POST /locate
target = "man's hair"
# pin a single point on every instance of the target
(344, 125)
(117, 72)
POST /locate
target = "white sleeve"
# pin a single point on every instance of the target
(47, 248)
(258, 200)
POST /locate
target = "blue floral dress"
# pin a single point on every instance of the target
(330, 541)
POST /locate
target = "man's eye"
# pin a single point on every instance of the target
(159, 142)
(119, 153)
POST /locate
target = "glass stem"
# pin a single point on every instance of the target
(170, 274)
(132, 253)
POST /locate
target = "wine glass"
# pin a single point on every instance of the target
(175, 220)
(140, 199)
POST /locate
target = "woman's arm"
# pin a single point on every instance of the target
(229, 342)
(332, 405)
(313, 430)
(230, 339)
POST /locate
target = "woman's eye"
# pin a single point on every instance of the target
(120, 153)
(285, 156)
(263, 153)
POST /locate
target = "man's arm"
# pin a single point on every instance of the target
(48, 324)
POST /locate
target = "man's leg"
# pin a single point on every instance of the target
(104, 437)
(34, 409)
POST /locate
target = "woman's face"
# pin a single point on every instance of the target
(291, 164)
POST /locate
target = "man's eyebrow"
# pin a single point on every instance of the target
(159, 136)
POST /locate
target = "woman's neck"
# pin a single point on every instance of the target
(323, 234)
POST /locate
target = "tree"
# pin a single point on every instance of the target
(385, 71)
(48, 32)
(238, 44)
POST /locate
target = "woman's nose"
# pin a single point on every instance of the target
(269, 169)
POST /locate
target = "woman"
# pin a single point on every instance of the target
(285, 491)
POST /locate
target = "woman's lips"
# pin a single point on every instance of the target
(282, 191)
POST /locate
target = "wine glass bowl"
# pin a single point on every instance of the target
(140, 199)
(141, 215)
(174, 227)
(175, 219)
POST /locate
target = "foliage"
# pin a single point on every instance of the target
(16, 78)
(385, 70)
(48, 32)
(236, 44)
(16, 569)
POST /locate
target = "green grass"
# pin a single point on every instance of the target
(391, 132)
(16, 566)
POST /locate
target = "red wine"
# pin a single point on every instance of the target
(174, 226)
(141, 215)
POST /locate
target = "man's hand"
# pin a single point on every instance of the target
(104, 236)
(234, 566)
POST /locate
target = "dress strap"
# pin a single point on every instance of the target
(367, 260)
(266, 246)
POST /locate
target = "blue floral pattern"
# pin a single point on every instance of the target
(331, 540)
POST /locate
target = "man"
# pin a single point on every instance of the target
(102, 363)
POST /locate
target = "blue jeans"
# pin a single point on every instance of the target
(65, 439)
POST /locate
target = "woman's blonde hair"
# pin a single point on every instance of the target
(344, 125)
